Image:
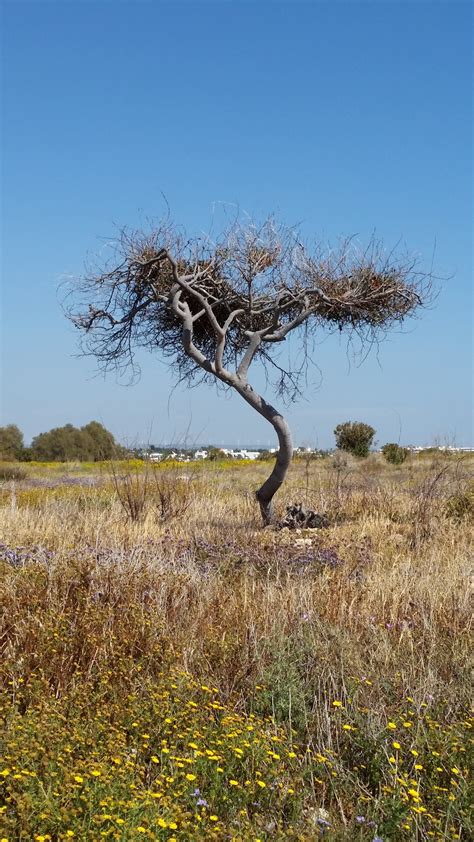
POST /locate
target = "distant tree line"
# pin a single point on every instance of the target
(91, 443)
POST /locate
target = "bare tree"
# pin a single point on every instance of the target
(214, 307)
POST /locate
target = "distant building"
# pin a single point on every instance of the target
(442, 448)
(250, 454)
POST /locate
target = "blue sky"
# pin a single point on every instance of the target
(347, 117)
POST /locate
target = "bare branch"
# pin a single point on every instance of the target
(253, 346)
(239, 296)
(212, 308)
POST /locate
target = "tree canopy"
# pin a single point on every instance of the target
(254, 282)
(354, 437)
(89, 443)
(11, 442)
(212, 306)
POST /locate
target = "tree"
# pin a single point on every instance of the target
(354, 437)
(61, 444)
(214, 307)
(395, 454)
(102, 444)
(11, 442)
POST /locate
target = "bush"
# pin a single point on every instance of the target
(267, 456)
(133, 492)
(25, 455)
(91, 443)
(460, 506)
(395, 454)
(172, 495)
(11, 442)
(215, 453)
(12, 472)
(140, 490)
(354, 437)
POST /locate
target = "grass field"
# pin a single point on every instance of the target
(172, 671)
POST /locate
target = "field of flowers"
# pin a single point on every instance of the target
(171, 671)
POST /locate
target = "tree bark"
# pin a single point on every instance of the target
(238, 381)
(271, 485)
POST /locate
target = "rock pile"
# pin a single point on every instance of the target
(297, 517)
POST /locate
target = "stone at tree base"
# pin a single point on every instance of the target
(297, 517)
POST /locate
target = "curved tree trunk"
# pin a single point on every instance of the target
(271, 485)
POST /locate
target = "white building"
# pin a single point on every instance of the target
(247, 454)
(200, 454)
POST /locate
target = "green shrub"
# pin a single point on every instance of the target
(89, 443)
(25, 455)
(395, 454)
(354, 437)
(11, 442)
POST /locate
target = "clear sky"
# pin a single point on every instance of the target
(347, 117)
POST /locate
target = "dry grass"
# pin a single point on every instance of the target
(370, 611)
